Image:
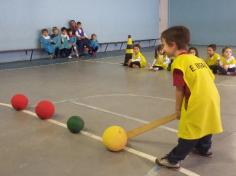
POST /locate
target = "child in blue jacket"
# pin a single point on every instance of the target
(46, 43)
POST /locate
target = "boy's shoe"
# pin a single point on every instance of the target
(69, 57)
(164, 162)
(207, 154)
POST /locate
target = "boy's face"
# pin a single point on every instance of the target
(94, 37)
(169, 50)
(45, 33)
(79, 26)
(136, 50)
(228, 53)
(64, 32)
(56, 31)
(70, 33)
(210, 51)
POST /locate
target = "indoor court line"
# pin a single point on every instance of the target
(121, 115)
(226, 85)
(132, 95)
(98, 138)
(39, 66)
(91, 61)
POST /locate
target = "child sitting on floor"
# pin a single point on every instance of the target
(138, 60)
(161, 60)
(93, 45)
(65, 49)
(72, 43)
(227, 63)
(193, 51)
(46, 43)
(213, 58)
(56, 38)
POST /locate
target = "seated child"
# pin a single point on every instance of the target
(72, 43)
(82, 39)
(161, 60)
(46, 43)
(193, 51)
(56, 38)
(93, 45)
(65, 49)
(138, 60)
(227, 63)
(213, 58)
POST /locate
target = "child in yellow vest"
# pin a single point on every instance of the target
(161, 60)
(213, 58)
(197, 99)
(138, 60)
(227, 63)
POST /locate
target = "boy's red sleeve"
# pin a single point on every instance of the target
(178, 78)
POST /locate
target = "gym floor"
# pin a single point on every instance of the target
(103, 93)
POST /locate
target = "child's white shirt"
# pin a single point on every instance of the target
(79, 31)
(228, 61)
(46, 37)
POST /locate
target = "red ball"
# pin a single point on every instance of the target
(19, 102)
(45, 109)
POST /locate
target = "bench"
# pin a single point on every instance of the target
(152, 42)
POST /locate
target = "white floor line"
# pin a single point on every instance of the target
(93, 136)
(120, 115)
(226, 85)
(132, 95)
(91, 61)
(38, 66)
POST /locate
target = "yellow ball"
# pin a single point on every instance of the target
(115, 138)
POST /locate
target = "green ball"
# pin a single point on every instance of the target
(75, 124)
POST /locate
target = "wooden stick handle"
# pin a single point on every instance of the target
(153, 124)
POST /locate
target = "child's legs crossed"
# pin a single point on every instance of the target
(183, 148)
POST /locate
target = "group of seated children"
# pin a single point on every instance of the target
(161, 60)
(68, 42)
(223, 64)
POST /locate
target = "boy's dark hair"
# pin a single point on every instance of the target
(79, 23)
(195, 49)
(63, 29)
(54, 28)
(137, 46)
(225, 48)
(69, 30)
(44, 30)
(177, 34)
(93, 35)
(213, 46)
(158, 49)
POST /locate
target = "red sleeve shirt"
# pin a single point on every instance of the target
(178, 81)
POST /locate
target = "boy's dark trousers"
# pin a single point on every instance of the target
(184, 147)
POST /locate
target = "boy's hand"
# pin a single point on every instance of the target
(178, 114)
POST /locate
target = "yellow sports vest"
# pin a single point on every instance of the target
(225, 62)
(202, 116)
(213, 60)
(161, 59)
(143, 61)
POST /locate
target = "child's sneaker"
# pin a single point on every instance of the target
(164, 162)
(206, 154)
(69, 57)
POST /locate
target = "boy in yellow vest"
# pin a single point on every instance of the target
(197, 99)
(213, 58)
(138, 60)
